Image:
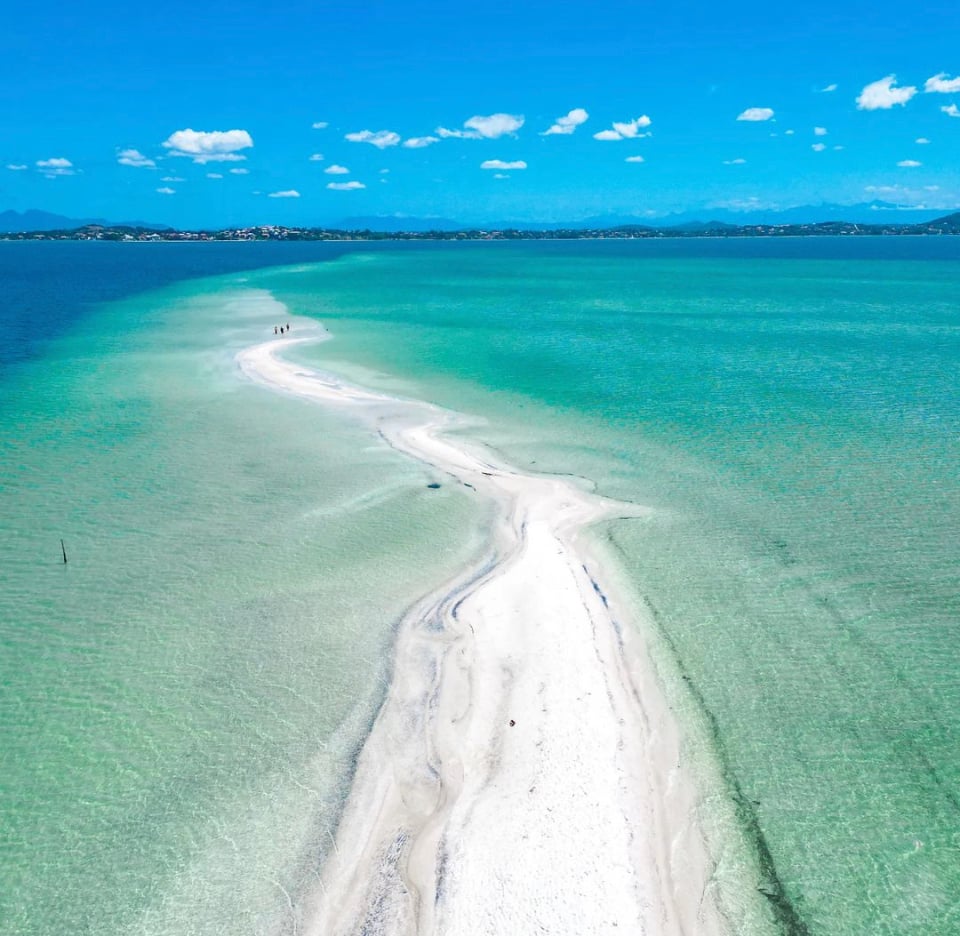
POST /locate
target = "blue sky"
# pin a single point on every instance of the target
(243, 112)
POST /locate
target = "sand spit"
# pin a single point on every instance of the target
(522, 775)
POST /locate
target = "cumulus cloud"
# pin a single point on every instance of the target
(951, 111)
(420, 142)
(909, 164)
(496, 125)
(500, 164)
(755, 114)
(209, 146)
(819, 131)
(57, 166)
(239, 171)
(336, 170)
(316, 157)
(500, 175)
(921, 140)
(132, 157)
(634, 159)
(734, 162)
(286, 193)
(172, 179)
(789, 132)
(345, 186)
(484, 128)
(381, 139)
(818, 147)
(384, 171)
(566, 125)
(320, 125)
(942, 84)
(16, 167)
(214, 175)
(838, 148)
(882, 95)
(166, 190)
(625, 129)
(828, 89)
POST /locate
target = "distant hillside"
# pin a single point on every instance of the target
(12, 222)
(395, 223)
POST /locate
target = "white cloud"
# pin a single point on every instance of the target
(166, 190)
(320, 125)
(500, 175)
(909, 164)
(634, 159)
(500, 164)
(16, 167)
(631, 128)
(735, 162)
(921, 140)
(625, 129)
(209, 146)
(828, 89)
(882, 95)
(240, 172)
(484, 128)
(819, 131)
(384, 171)
(58, 166)
(446, 134)
(838, 148)
(287, 193)
(496, 125)
(566, 125)
(755, 114)
(214, 175)
(172, 179)
(942, 84)
(316, 157)
(818, 147)
(951, 111)
(132, 157)
(336, 170)
(381, 139)
(789, 132)
(420, 142)
(345, 186)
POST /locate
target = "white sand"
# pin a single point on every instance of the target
(575, 820)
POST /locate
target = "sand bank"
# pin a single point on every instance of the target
(523, 773)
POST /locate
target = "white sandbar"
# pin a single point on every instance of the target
(522, 775)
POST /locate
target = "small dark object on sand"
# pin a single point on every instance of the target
(433, 485)
(512, 722)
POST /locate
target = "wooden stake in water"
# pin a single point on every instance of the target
(63, 549)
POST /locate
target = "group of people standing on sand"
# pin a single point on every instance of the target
(280, 330)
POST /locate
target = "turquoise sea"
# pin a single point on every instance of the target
(181, 703)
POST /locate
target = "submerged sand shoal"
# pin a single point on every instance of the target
(523, 773)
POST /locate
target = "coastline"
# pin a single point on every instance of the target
(524, 770)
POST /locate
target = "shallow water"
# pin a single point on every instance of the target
(793, 419)
(181, 703)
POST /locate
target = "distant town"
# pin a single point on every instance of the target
(272, 232)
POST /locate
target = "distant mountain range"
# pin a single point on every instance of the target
(12, 222)
(870, 217)
(873, 212)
